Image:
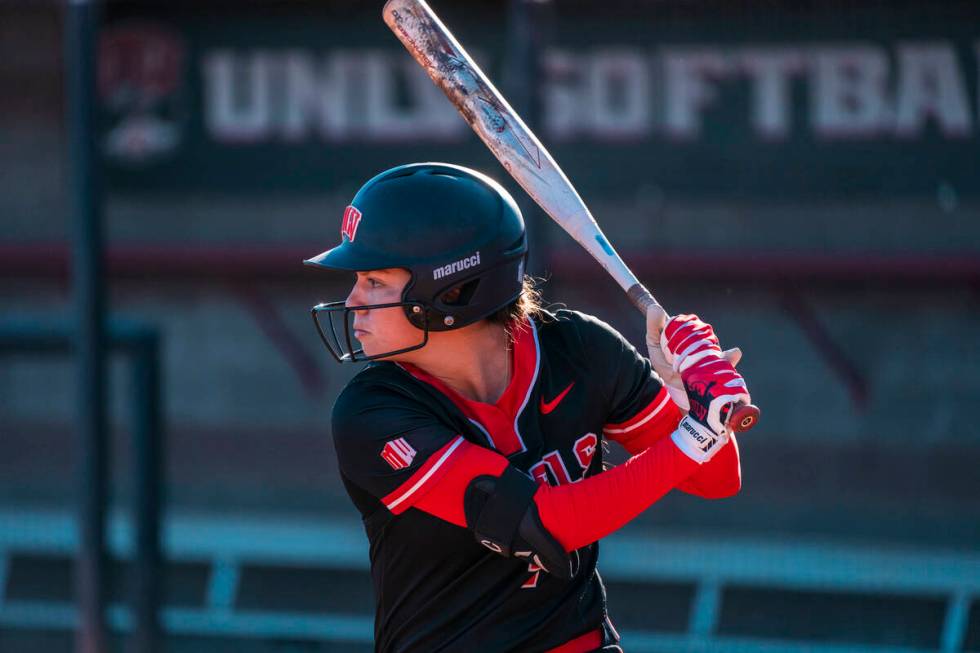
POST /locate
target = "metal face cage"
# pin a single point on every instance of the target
(344, 352)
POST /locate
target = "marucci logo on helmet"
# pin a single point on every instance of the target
(457, 266)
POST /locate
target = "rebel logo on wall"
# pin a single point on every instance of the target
(140, 84)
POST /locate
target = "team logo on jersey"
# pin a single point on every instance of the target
(398, 453)
(352, 218)
(551, 469)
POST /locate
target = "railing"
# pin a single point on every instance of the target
(228, 560)
(141, 344)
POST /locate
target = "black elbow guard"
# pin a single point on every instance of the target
(502, 514)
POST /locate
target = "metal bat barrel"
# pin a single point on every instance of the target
(433, 46)
(505, 134)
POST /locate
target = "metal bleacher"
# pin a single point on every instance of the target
(301, 580)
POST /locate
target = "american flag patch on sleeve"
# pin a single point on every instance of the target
(398, 453)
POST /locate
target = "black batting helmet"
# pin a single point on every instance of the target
(450, 227)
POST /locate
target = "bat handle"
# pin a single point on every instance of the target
(643, 299)
(743, 417)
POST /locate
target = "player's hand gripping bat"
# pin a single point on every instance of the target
(518, 150)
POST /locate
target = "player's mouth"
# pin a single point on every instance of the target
(358, 333)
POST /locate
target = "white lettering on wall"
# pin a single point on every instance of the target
(344, 95)
(236, 106)
(930, 87)
(853, 91)
(770, 72)
(619, 90)
(848, 91)
(318, 96)
(689, 77)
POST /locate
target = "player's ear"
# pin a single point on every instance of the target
(461, 294)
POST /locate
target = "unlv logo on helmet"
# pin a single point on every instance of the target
(352, 218)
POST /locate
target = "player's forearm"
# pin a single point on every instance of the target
(718, 478)
(578, 514)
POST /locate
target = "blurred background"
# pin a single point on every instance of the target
(803, 175)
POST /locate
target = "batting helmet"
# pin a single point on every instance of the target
(450, 227)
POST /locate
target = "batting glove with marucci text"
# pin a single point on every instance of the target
(712, 386)
(672, 379)
(697, 441)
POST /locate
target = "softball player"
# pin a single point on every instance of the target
(472, 444)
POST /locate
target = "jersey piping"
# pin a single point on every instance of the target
(428, 474)
(490, 418)
(655, 407)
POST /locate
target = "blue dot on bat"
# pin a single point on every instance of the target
(606, 247)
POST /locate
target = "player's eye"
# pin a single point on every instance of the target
(374, 283)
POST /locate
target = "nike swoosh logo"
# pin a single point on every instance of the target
(548, 406)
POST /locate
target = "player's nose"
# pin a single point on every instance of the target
(355, 297)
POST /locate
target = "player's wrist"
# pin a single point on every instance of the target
(678, 394)
(697, 441)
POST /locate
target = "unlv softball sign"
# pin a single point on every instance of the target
(191, 107)
(855, 91)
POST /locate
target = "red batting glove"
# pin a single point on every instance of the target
(713, 386)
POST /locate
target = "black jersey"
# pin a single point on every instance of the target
(395, 432)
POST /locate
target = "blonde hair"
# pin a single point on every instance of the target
(526, 306)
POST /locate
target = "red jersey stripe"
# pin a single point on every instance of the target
(590, 641)
(653, 409)
(405, 496)
(576, 514)
(445, 498)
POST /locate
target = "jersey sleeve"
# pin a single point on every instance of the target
(390, 446)
(638, 407)
(642, 413)
(575, 514)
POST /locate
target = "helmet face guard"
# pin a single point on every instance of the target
(344, 351)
